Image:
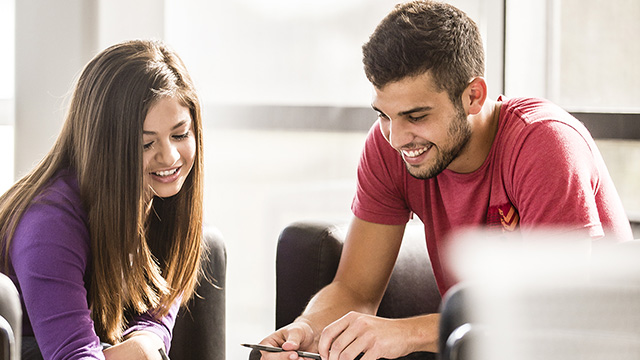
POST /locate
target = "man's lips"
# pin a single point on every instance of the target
(415, 152)
(415, 155)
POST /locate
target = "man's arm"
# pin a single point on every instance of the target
(368, 256)
(367, 260)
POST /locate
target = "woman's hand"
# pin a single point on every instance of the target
(139, 345)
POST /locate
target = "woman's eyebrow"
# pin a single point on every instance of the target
(179, 124)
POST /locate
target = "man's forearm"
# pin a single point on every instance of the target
(420, 332)
(424, 336)
(331, 303)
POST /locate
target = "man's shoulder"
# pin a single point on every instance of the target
(521, 117)
(529, 111)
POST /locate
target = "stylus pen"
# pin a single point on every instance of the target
(163, 354)
(277, 349)
(304, 354)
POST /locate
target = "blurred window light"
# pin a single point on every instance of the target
(581, 54)
(7, 82)
(278, 9)
(7, 41)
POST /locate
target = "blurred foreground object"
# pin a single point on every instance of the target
(546, 297)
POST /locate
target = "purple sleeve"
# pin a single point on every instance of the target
(162, 327)
(380, 187)
(49, 254)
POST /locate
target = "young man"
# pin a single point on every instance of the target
(445, 152)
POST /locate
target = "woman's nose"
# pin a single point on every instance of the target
(167, 154)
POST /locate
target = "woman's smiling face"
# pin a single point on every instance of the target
(169, 147)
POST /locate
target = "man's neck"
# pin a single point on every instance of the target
(484, 126)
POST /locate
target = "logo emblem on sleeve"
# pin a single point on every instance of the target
(505, 216)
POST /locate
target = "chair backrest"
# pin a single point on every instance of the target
(10, 320)
(199, 332)
(307, 259)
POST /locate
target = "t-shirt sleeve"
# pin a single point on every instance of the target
(380, 187)
(163, 327)
(555, 179)
(49, 253)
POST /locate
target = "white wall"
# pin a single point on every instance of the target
(54, 40)
(7, 77)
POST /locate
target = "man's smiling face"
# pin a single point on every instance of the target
(422, 124)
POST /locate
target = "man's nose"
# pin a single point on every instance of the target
(400, 133)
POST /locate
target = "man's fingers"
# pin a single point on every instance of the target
(329, 335)
(297, 336)
(348, 344)
(290, 345)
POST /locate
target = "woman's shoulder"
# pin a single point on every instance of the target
(63, 185)
(54, 225)
(60, 195)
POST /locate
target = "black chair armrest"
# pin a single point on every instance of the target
(199, 332)
(10, 319)
(307, 258)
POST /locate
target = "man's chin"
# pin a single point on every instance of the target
(417, 172)
(423, 172)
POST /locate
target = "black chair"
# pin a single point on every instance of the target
(458, 333)
(307, 258)
(10, 319)
(199, 332)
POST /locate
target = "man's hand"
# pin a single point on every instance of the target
(296, 336)
(368, 256)
(377, 337)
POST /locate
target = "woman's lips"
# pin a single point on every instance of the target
(166, 176)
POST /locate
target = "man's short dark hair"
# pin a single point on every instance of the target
(422, 36)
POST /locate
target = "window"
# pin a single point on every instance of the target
(7, 35)
(581, 54)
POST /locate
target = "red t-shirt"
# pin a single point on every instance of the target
(543, 170)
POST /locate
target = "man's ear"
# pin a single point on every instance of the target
(474, 95)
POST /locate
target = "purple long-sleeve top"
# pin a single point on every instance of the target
(49, 261)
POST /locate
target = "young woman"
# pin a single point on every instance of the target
(103, 237)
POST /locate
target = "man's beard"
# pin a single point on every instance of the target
(459, 132)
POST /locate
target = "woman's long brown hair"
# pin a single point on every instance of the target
(142, 258)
